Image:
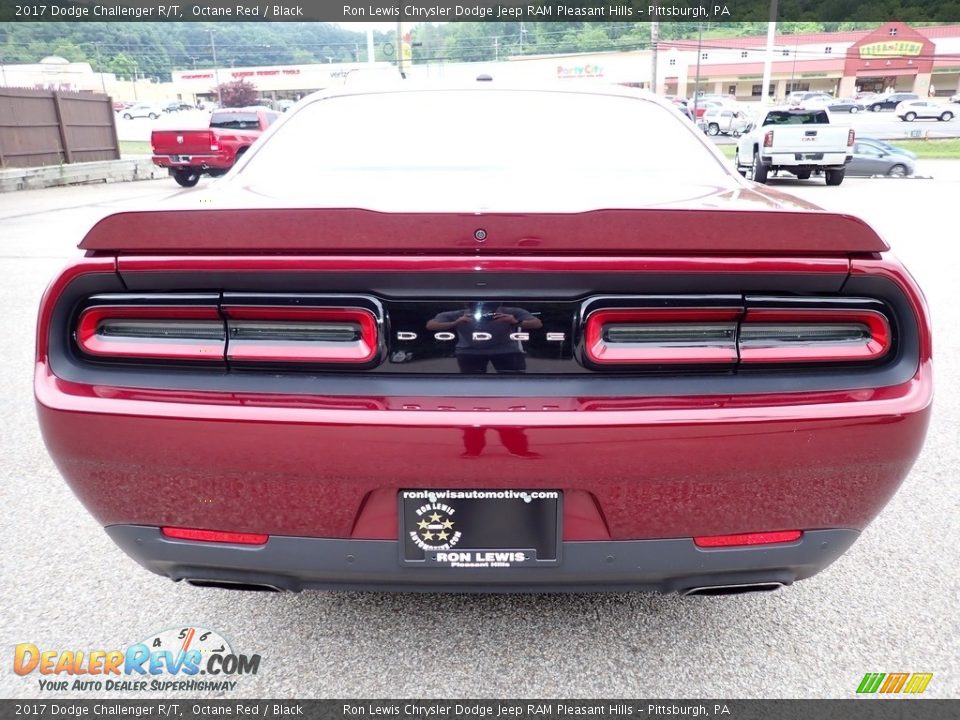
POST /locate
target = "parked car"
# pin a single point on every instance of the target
(809, 99)
(846, 105)
(873, 158)
(189, 154)
(285, 105)
(701, 106)
(177, 106)
(889, 102)
(722, 121)
(795, 140)
(121, 104)
(352, 367)
(889, 147)
(147, 110)
(924, 110)
(955, 98)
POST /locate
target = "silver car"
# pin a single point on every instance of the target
(724, 120)
(911, 110)
(148, 110)
(876, 158)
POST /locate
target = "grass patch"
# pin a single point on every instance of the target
(135, 147)
(940, 149)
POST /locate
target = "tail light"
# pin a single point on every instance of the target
(768, 139)
(786, 336)
(645, 336)
(850, 136)
(216, 329)
(298, 334)
(776, 331)
(157, 332)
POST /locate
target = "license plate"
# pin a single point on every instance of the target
(179, 158)
(480, 529)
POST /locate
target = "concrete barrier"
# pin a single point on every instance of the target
(123, 170)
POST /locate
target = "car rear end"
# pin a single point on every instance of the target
(478, 382)
(176, 149)
(798, 136)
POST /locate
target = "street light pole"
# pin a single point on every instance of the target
(216, 71)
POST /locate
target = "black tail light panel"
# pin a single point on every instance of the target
(587, 346)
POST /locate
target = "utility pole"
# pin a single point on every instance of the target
(370, 49)
(696, 88)
(103, 82)
(768, 58)
(135, 69)
(216, 71)
(496, 48)
(522, 31)
(400, 49)
(654, 45)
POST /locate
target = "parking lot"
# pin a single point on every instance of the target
(890, 604)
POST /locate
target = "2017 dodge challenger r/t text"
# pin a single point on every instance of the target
(484, 338)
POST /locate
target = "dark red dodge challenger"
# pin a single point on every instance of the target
(484, 338)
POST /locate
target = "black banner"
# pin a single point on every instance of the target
(913, 11)
(893, 708)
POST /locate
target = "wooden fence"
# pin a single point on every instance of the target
(49, 127)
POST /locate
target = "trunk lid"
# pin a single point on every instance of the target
(182, 142)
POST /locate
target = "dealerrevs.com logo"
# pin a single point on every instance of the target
(190, 659)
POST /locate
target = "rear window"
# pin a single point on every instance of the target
(797, 117)
(235, 121)
(482, 146)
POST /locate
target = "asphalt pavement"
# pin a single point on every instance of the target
(890, 604)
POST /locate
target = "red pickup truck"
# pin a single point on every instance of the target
(188, 154)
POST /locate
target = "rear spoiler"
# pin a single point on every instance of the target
(349, 230)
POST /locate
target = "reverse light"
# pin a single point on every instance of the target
(164, 332)
(301, 334)
(215, 536)
(759, 538)
(644, 336)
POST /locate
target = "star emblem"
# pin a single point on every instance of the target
(442, 535)
(435, 517)
(428, 535)
(423, 524)
(447, 524)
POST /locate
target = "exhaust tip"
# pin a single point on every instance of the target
(229, 585)
(733, 589)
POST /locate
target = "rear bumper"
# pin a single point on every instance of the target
(790, 160)
(197, 162)
(331, 467)
(299, 563)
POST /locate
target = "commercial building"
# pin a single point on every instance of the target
(892, 56)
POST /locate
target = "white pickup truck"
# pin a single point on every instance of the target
(796, 140)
